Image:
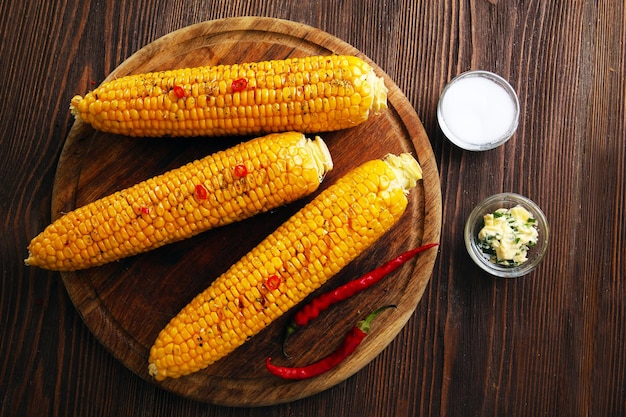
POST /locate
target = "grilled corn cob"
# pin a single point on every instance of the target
(228, 186)
(302, 254)
(312, 94)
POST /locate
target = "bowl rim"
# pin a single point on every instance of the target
(490, 204)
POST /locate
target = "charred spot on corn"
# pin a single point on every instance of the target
(311, 94)
(201, 195)
(297, 258)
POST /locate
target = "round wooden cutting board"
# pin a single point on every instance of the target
(125, 304)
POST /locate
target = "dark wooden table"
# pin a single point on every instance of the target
(552, 343)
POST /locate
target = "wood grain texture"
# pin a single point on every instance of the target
(549, 344)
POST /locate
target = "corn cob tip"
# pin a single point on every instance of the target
(380, 92)
(321, 156)
(74, 103)
(153, 371)
(406, 168)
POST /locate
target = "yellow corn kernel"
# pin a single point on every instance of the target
(311, 94)
(216, 190)
(314, 252)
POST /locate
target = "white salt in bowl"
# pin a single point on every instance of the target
(478, 110)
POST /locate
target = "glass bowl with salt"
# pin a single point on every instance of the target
(478, 110)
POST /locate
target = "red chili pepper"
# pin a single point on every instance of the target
(273, 282)
(179, 91)
(239, 85)
(317, 305)
(240, 170)
(201, 192)
(352, 340)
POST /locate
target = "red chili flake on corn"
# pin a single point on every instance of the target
(179, 91)
(201, 192)
(240, 170)
(273, 282)
(239, 85)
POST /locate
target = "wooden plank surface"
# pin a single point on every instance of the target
(551, 343)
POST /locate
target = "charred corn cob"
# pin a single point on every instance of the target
(302, 254)
(312, 94)
(228, 186)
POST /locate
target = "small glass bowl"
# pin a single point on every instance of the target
(475, 223)
(482, 106)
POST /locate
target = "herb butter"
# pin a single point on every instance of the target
(507, 234)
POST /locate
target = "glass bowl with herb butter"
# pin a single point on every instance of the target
(507, 235)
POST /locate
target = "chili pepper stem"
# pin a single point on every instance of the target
(364, 325)
(291, 329)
